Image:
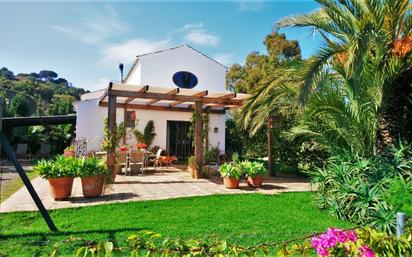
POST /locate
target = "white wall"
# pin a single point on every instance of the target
(90, 118)
(90, 122)
(158, 69)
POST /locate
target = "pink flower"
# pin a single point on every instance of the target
(366, 251)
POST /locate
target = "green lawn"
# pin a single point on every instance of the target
(244, 219)
(14, 185)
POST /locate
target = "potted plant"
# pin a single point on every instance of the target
(93, 172)
(192, 166)
(231, 175)
(60, 173)
(254, 172)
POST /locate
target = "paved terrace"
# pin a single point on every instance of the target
(164, 184)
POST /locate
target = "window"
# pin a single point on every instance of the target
(185, 79)
(130, 119)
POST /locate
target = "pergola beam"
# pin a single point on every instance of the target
(158, 108)
(203, 93)
(174, 91)
(183, 98)
(228, 96)
(142, 90)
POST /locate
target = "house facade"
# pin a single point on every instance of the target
(180, 67)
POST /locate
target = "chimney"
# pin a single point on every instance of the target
(121, 66)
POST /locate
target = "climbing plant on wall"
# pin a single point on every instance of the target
(148, 133)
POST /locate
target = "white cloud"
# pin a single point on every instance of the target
(250, 6)
(97, 26)
(203, 38)
(126, 51)
(224, 58)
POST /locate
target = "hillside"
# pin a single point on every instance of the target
(32, 94)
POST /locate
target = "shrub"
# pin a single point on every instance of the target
(363, 242)
(58, 168)
(230, 170)
(212, 155)
(354, 188)
(252, 169)
(91, 167)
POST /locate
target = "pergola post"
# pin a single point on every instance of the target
(111, 116)
(199, 139)
(271, 167)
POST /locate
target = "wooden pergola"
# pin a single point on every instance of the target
(147, 97)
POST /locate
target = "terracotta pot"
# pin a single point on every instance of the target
(231, 182)
(61, 188)
(92, 186)
(255, 182)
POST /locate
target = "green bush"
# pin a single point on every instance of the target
(69, 166)
(58, 168)
(230, 170)
(211, 155)
(355, 188)
(252, 169)
(91, 167)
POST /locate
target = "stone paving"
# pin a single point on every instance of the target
(163, 184)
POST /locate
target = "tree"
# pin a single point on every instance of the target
(348, 83)
(47, 75)
(6, 73)
(19, 105)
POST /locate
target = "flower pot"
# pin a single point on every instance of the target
(255, 181)
(61, 188)
(92, 186)
(231, 182)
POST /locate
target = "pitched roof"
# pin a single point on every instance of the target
(165, 50)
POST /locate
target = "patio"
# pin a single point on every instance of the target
(166, 183)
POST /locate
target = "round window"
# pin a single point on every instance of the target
(185, 79)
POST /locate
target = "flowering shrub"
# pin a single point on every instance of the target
(141, 146)
(365, 242)
(340, 243)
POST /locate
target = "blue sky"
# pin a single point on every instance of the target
(84, 42)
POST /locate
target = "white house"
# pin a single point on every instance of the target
(178, 67)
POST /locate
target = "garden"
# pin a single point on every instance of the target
(340, 118)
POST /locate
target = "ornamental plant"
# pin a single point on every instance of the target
(230, 170)
(252, 169)
(92, 166)
(60, 167)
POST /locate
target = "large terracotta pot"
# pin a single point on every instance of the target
(255, 181)
(231, 182)
(92, 186)
(61, 188)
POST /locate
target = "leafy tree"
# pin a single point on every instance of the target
(6, 73)
(366, 53)
(61, 105)
(47, 75)
(19, 105)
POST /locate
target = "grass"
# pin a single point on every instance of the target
(14, 185)
(248, 219)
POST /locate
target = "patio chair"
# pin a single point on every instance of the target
(21, 151)
(136, 160)
(44, 151)
(156, 162)
(122, 161)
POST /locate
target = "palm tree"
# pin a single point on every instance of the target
(352, 31)
(348, 85)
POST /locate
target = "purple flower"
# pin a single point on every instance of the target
(334, 236)
(366, 251)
